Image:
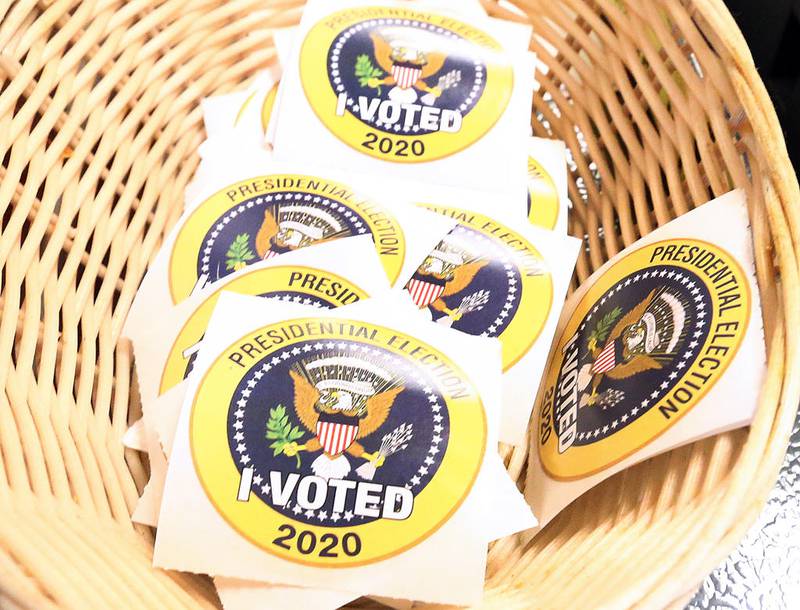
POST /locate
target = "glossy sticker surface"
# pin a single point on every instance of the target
(487, 280)
(263, 217)
(403, 85)
(648, 340)
(335, 443)
(291, 284)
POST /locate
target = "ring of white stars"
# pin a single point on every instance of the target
(501, 254)
(287, 198)
(352, 103)
(299, 299)
(400, 366)
(683, 362)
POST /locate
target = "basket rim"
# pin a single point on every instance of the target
(88, 439)
(769, 437)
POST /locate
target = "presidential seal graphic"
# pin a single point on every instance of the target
(264, 217)
(486, 280)
(404, 85)
(289, 284)
(644, 345)
(543, 203)
(336, 443)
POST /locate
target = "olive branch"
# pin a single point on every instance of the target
(239, 252)
(281, 432)
(365, 70)
(603, 326)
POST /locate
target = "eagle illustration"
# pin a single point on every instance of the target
(445, 272)
(644, 339)
(296, 226)
(406, 64)
(341, 400)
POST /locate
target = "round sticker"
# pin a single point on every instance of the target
(264, 217)
(292, 284)
(485, 279)
(335, 443)
(543, 202)
(646, 342)
(404, 89)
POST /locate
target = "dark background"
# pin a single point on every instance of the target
(772, 29)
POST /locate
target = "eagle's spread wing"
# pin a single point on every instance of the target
(435, 62)
(462, 277)
(305, 397)
(265, 234)
(378, 408)
(633, 316)
(637, 364)
(383, 52)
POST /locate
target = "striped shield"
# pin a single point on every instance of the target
(405, 75)
(424, 293)
(336, 437)
(605, 361)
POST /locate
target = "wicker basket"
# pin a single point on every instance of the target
(662, 109)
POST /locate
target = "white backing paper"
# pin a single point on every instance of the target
(550, 157)
(234, 557)
(558, 254)
(728, 404)
(488, 164)
(404, 233)
(351, 261)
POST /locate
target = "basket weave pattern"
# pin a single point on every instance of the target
(662, 109)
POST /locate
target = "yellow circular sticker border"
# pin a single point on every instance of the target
(243, 108)
(255, 282)
(182, 266)
(258, 523)
(268, 106)
(534, 307)
(543, 194)
(578, 462)
(352, 131)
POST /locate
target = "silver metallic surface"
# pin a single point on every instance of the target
(764, 571)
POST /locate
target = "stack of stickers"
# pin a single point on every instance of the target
(358, 304)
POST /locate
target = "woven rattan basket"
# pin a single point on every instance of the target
(662, 109)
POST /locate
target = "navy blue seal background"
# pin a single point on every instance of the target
(680, 312)
(268, 385)
(354, 57)
(232, 239)
(497, 285)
